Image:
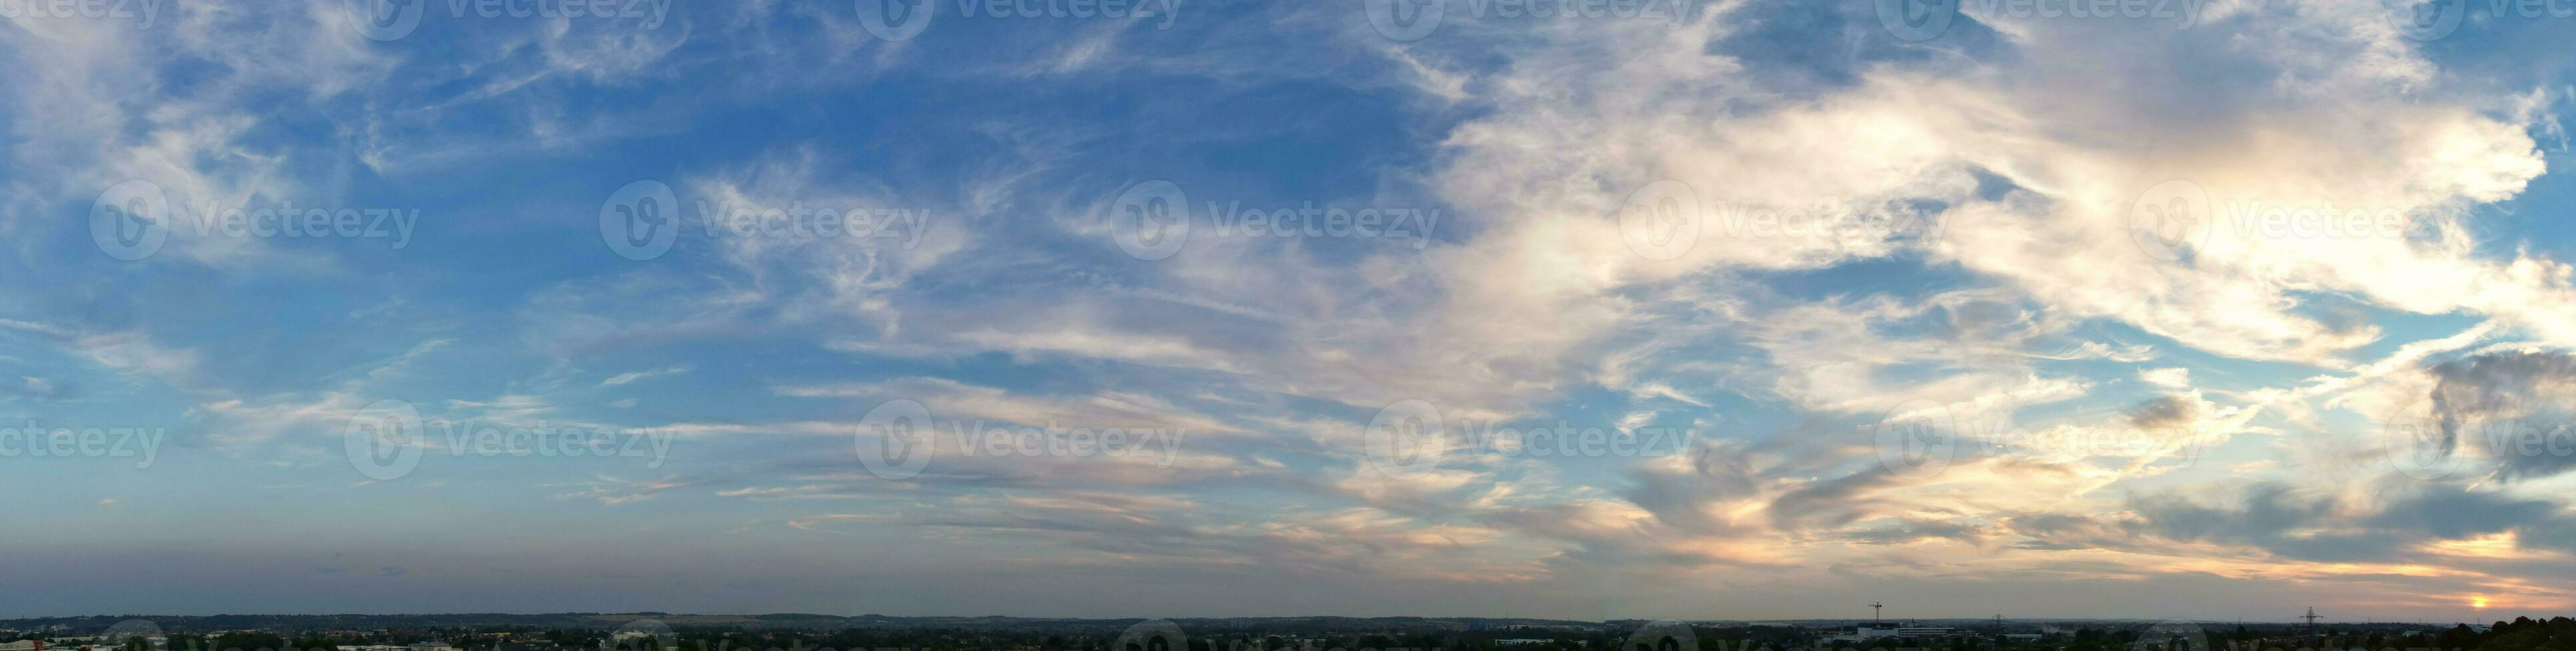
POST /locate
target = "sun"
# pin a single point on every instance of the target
(2479, 603)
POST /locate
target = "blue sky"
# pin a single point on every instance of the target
(1688, 309)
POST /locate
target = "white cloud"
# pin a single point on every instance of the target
(633, 376)
(2170, 378)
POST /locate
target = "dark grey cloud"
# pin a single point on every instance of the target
(1719, 471)
(2270, 517)
(1830, 503)
(2065, 531)
(1911, 530)
(2163, 412)
(2517, 407)
(2281, 520)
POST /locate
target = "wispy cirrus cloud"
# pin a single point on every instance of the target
(1904, 302)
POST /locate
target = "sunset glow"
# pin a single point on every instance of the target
(1740, 310)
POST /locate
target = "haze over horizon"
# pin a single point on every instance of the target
(1689, 309)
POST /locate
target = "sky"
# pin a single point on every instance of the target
(1699, 309)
